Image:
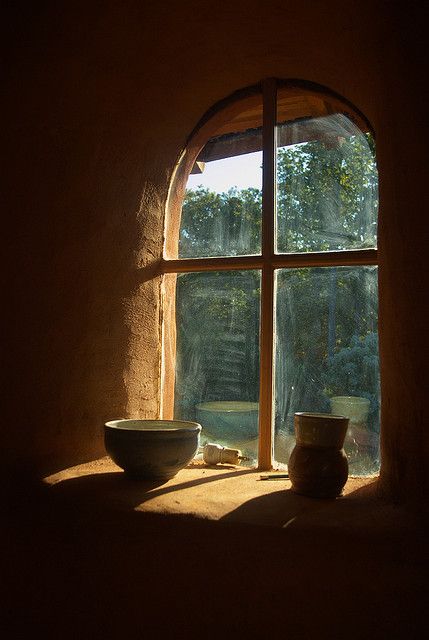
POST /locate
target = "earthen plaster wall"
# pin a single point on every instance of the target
(101, 98)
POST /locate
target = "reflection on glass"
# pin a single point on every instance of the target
(326, 357)
(221, 213)
(217, 363)
(327, 186)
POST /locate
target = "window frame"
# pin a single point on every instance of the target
(268, 262)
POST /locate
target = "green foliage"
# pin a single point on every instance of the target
(326, 199)
(318, 310)
(218, 330)
(216, 224)
(326, 318)
(326, 196)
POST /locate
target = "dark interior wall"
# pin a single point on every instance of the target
(101, 97)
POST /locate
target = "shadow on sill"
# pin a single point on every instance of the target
(115, 489)
(288, 510)
(360, 509)
(108, 501)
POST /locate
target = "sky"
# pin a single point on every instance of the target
(239, 171)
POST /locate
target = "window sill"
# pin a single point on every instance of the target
(233, 495)
(212, 546)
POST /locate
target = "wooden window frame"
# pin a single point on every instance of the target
(267, 262)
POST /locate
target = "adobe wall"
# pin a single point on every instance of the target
(102, 98)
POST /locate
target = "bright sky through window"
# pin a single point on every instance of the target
(242, 171)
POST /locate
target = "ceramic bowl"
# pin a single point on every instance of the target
(229, 419)
(151, 448)
(353, 407)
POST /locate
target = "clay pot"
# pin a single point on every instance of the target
(318, 465)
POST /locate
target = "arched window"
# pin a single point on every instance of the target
(270, 273)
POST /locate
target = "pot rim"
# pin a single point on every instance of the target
(315, 415)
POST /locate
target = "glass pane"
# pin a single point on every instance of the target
(327, 356)
(327, 186)
(221, 212)
(217, 361)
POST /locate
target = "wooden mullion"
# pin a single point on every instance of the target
(267, 281)
(274, 261)
(266, 370)
(268, 166)
(184, 265)
(326, 259)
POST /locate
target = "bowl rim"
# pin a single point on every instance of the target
(352, 399)
(183, 426)
(228, 406)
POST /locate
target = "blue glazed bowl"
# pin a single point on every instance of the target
(229, 419)
(151, 448)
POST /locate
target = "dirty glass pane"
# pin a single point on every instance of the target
(221, 212)
(326, 186)
(217, 362)
(326, 356)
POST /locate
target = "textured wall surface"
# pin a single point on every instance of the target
(101, 98)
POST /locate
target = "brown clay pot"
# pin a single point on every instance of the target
(318, 465)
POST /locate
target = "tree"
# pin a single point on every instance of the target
(218, 338)
(217, 224)
(327, 196)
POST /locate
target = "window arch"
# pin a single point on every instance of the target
(270, 287)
